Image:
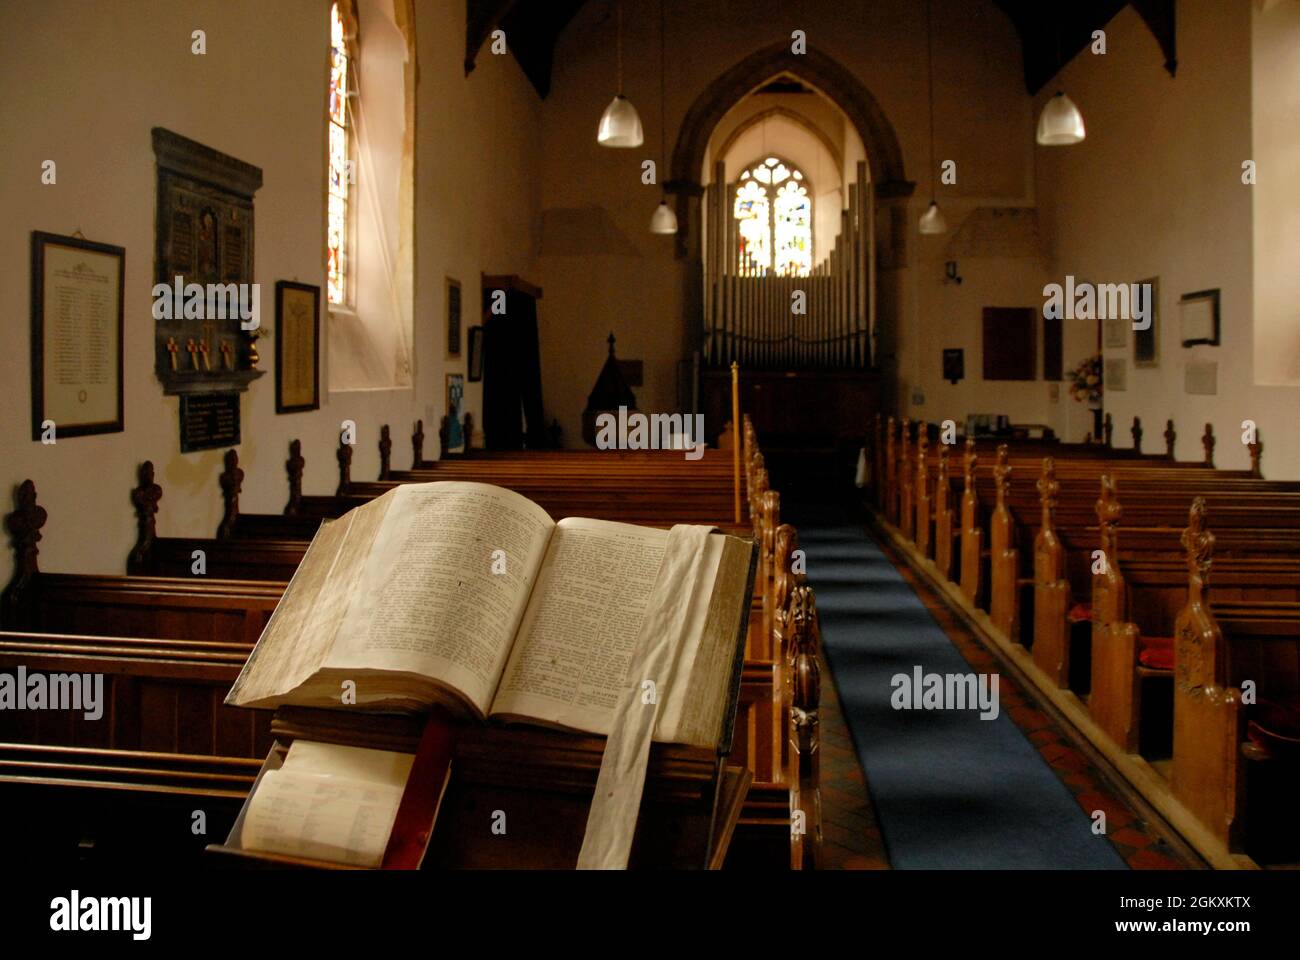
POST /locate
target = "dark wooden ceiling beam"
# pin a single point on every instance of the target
(1051, 35)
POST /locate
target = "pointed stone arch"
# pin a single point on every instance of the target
(828, 77)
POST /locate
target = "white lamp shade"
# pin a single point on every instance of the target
(664, 220)
(932, 220)
(620, 126)
(1060, 123)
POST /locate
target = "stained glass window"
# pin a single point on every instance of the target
(773, 210)
(341, 177)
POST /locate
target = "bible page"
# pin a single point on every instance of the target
(443, 595)
(578, 635)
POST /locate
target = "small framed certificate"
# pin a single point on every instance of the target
(297, 354)
(1198, 314)
(76, 337)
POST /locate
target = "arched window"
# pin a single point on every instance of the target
(773, 209)
(342, 154)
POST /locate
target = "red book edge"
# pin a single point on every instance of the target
(418, 811)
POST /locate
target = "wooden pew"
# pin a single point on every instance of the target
(1216, 739)
(148, 495)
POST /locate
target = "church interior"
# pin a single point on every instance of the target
(856, 434)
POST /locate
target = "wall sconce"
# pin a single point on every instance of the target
(950, 272)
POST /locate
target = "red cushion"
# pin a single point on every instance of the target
(1080, 611)
(1277, 719)
(1156, 652)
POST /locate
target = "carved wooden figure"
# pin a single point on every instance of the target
(145, 499)
(943, 516)
(1207, 442)
(1170, 437)
(344, 455)
(972, 537)
(905, 474)
(385, 452)
(1208, 719)
(417, 445)
(24, 526)
(294, 467)
(1107, 429)
(923, 516)
(1255, 448)
(805, 733)
(1115, 686)
(1051, 648)
(1136, 432)
(232, 481)
(1004, 604)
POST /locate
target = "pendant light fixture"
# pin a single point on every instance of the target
(663, 220)
(932, 221)
(620, 126)
(1060, 124)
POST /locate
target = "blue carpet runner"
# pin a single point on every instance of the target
(950, 790)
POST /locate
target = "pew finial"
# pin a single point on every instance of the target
(1136, 432)
(1107, 428)
(1109, 512)
(417, 445)
(344, 455)
(294, 466)
(1207, 442)
(24, 526)
(1170, 437)
(385, 452)
(1048, 489)
(1255, 448)
(1002, 472)
(232, 481)
(145, 499)
(805, 673)
(467, 429)
(1198, 541)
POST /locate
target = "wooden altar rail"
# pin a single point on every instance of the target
(750, 314)
(1050, 541)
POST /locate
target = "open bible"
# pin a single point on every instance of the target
(469, 596)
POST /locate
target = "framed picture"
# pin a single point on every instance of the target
(954, 364)
(1115, 376)
(1115, 332)
(297, 341)
(455, 411)
(1198, 314)
(1201, 377)
(76, 336)
(1146, 343)
(475, 354)
(453, 317)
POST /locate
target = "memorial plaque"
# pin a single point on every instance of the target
(209, 420)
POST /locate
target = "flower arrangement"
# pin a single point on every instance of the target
(1085, 380)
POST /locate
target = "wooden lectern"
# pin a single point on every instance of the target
(542, 781)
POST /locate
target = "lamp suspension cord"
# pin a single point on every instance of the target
(618, 45)
(929, 61)
(663, 96)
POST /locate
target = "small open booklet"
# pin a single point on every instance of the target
(470, 596)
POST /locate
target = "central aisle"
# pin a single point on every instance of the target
(950, 790)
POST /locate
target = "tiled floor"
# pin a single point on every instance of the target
(851, 837)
